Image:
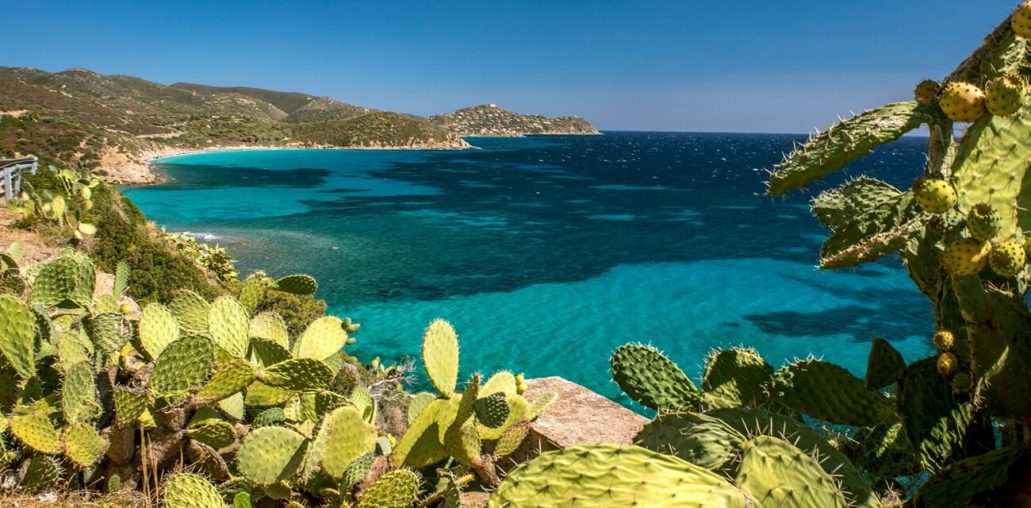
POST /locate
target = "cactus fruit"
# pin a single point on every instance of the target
(776, 473)
(652, 379)
(228, 324)
(934, 195)
(492, 410)
(966, 257)
(189, 490)
(947, 364)
(1008, 258)
(396, 489)
(521, 386)
(323, 338)
(37, 432)
(610, 475)
(298, 375)
(298, 284)
(943, 340)
(270, 454)
(983, 222)
(83, 445)
(440, 356)
(1020, 21)
(18, 335)
(962, 101)
(1005, 95)
(343, 436)
(926, 92)
(826, 391)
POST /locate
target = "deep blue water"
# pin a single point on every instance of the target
(546, 253)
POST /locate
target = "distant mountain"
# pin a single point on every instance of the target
(114, 120)
(490, 120)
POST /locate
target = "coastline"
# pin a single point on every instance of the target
(136, 169)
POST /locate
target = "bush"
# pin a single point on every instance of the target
(296, 310)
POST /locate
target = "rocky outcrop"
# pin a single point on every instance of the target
(579, 416)
(490, 120)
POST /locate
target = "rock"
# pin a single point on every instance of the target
(579, 416)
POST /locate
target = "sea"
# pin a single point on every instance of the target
(546, 253)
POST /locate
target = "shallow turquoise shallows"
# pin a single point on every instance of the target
(547, 253)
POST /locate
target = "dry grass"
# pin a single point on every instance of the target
(127, 499)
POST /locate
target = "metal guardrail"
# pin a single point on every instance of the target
(10, 172)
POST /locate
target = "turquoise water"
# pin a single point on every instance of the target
(548, 253)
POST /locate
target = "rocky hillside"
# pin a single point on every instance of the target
(81, 118)
(490, 120)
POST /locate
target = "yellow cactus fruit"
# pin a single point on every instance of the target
(1008, 258)
(962, 101)
(1021, 20)
(943, 340)
(1005, 95)
(934, 195)
(966, 257)
(947, 364)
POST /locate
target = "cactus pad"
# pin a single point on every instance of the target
(83, 445)
(108, 332)
(228, 325)
(418, 402)
(363, 401)
(738, 375)
(343, 437)
(254, 289)
(229, 377)
(189, 490)
(297, 284)
(55, 282)
(652, 379)
(884, 366)
(262, 395)
(541, 404)
(396, 489)
(492, 410)
(17, 335)
(270, 454)
(511, 440)
(826, 391)
(503, 382)
(129, 405)
(423, 443)
(79, 393)
(978, 481)
(834, 148)
(158, 329)
(609, 475)
(270, 326)
(182, 365)
(323, 338)
(695, 437)
(268, 352)
(42, 472)
(213, 432)
(191, 312)
(776, 473)
(440, 356)
(356, 471)
(298, 375)
(37, 432)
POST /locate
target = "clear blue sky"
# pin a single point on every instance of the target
(700, 65)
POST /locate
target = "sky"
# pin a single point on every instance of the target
(685, 65)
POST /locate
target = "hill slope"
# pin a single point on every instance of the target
(490, 120)
(115, 122)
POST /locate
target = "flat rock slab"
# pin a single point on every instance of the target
(579, 417)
